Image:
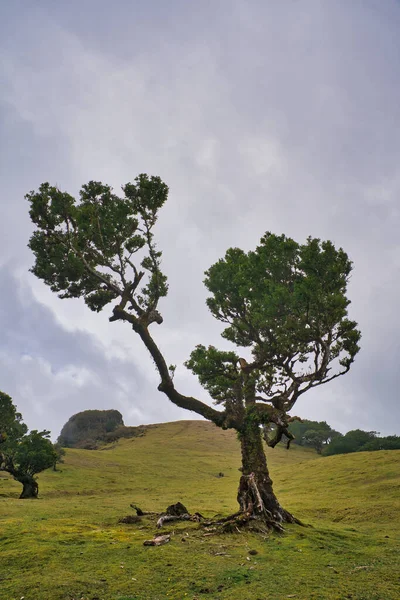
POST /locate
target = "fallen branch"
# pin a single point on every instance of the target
(158, 540)
(178, 512)
(140, 512)
(168, 518)
(130, 519)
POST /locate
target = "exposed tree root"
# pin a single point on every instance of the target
(260, 510)
(255, 518)
(252, 522)
(259, 505)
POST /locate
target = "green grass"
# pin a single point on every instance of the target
(69, 545)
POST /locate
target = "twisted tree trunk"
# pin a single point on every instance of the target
(30, 487)
(256, 497)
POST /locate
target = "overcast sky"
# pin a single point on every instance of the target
(259, 115)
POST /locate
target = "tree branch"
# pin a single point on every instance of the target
(167, 386)
(267, 414)
(109, 283)
(154, 261)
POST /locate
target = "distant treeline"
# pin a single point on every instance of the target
(325, 440)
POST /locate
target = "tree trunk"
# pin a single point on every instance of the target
(30, 487)
(255, 495)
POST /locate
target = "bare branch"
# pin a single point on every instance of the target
(100, 276)
(167, 386)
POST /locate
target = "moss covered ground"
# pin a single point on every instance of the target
(68, 545)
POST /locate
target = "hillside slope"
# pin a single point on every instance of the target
(69, 544)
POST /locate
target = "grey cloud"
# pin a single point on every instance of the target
(52, 373)
(259, 115)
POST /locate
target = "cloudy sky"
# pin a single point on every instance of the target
(259, 115)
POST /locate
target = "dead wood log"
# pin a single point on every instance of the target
(168, 518)
(158, 540)
(140, 512)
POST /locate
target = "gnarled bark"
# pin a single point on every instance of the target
(167, 386)
(30, 487)
(256, 497)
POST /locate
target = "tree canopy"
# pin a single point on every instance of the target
(287, 303)
(11, 425)
(85, 249)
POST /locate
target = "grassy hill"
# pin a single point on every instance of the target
(68, 545)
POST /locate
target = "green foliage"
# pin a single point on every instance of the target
(350, 442)
(33, 453)
(217, 372)
(314, 439)
(285, 300)
(22, 454)
(287, 304)
(84, 248)
(391, 442)
(358, 440)
(321, 437)
(59, 454)
(315, 434)
(11, 426)
(125, 432)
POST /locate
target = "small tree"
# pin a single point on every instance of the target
(59, 455)
(315, 434)
(23, 455)
(284, 303)
(314, 439)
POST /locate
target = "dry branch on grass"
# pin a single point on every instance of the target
(158, 540)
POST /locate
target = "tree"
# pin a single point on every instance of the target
(59, 455)
(314, 439)
(23, 455)
(316, 434)
(285, 304)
